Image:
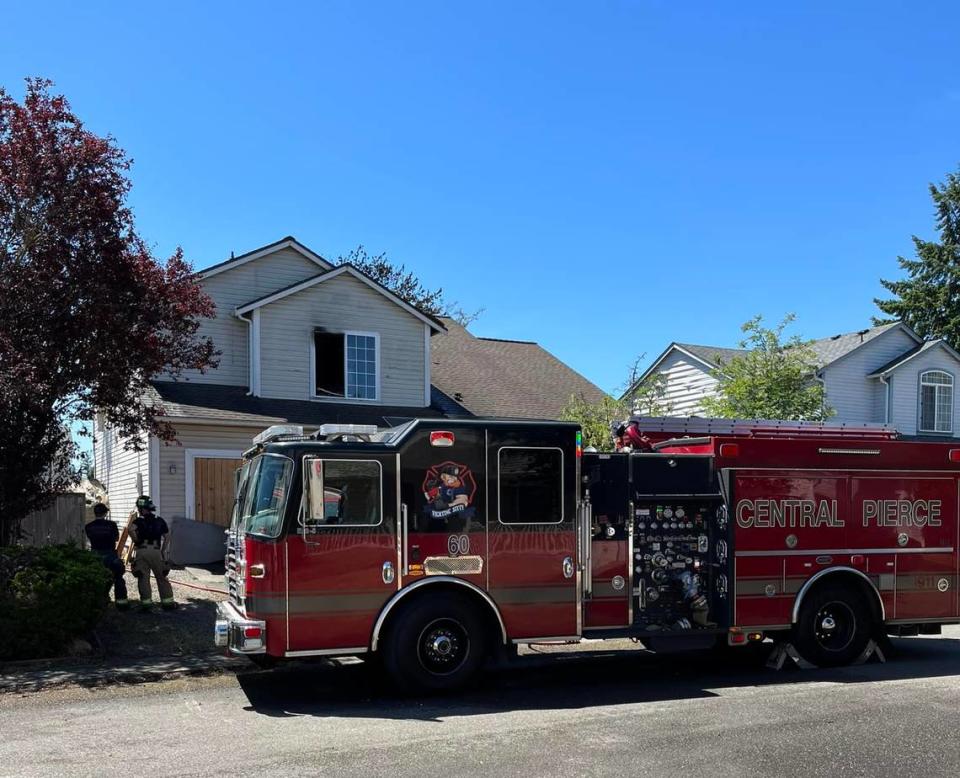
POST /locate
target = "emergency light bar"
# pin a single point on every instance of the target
(278, 431)
(346, 429)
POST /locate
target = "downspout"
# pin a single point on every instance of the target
(886, 399)
(818, 377)
(249, 323)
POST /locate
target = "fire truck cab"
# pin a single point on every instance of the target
(436, 544)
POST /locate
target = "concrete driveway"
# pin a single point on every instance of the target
(616, 713)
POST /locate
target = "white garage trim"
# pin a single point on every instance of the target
(189, 456)
(153, 467)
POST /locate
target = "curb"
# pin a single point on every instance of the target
(108, 672)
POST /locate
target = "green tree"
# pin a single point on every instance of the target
(405, 285)
(596, 419)
(774, 379)
(928, 299)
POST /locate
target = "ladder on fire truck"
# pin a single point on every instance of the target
(761, 428)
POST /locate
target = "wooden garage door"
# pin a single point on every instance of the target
(214, 482)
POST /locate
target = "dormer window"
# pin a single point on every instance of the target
(345, 365)
(936, 401)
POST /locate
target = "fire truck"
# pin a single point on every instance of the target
(435, 545)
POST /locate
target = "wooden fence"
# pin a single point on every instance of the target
(61, 522)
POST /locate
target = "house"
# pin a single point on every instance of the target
(886, 374)
(495, 377)
(305, 342)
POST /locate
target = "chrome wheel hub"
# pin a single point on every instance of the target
(443, 646)
(835, 626)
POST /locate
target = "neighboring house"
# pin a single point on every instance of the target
(305, 342)
(494, 377)
(885, 374)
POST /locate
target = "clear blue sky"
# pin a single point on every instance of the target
(601, 177)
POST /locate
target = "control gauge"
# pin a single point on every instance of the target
(680, 513)
(667, 513)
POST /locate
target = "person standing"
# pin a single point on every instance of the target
(149, 533)
(103, 535)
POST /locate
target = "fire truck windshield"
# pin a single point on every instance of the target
(265, 489)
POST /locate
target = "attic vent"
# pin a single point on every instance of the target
(458, 396)
(836, 337)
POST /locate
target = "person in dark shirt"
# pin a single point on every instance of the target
(103, 535)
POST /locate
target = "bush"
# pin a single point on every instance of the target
(47, 597)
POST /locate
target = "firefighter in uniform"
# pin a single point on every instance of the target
(149, 534)
(103, 535)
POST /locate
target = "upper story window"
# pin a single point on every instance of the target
(936, 401)
(345, 365)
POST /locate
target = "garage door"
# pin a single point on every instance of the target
(214, 483)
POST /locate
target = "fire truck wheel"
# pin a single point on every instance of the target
(834, 626)
(437, 643)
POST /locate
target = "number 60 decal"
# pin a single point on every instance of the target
(458, 545)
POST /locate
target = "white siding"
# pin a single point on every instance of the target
(686, 383)
(853, 396)
(905, 390)
(232, 288)
(172, 491)
(117, 469)
(343, 303)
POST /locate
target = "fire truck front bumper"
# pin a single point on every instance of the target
(237, 633)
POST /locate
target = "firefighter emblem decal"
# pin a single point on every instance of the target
(449, 489)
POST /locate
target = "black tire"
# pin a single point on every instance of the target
(834, 626)
(436, 643)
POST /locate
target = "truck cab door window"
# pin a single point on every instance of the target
(530, 485)
(342, 493)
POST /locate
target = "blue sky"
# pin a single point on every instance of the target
(603, 178)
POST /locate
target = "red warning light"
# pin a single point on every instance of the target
(441, 438)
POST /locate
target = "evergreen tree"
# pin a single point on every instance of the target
(928, 299)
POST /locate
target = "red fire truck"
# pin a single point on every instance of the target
(433, 545)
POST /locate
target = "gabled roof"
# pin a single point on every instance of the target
(826, 350)
(345, 269)
(905, 357)
(708, 356)
(830, 350)
(221, 404)
(288, 242)
(712, 355)
(503, 378)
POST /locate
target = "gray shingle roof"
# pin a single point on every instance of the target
(827, 350)
(712, 354)
(218, 402)
(506, 378)
(831, 349)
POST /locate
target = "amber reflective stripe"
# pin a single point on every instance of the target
(534, 594)
(324, 603)
(884, 582)
(602, 590)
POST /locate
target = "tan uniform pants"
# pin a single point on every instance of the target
(146, 560)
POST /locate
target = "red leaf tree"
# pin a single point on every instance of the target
(87, 314)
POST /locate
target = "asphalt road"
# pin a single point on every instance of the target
(618, 713)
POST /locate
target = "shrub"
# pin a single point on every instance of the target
(47, 597)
